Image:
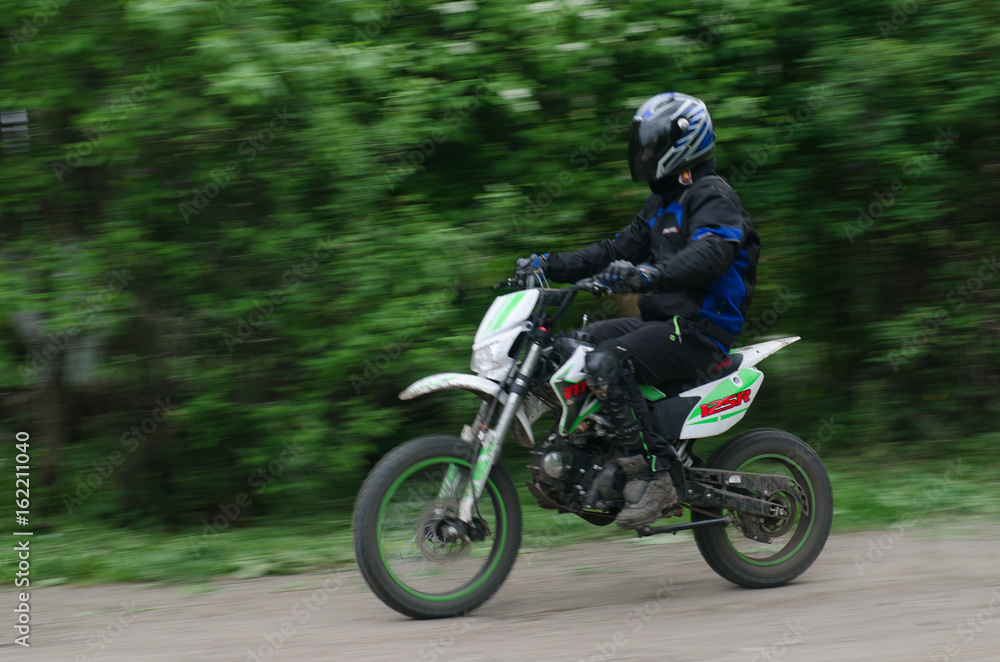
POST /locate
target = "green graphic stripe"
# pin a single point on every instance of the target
(502, 525)
(716, 419)
(651, 392)
(505, 311)
(592, 408)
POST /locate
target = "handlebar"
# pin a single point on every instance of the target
(591, 285)
(565, 295)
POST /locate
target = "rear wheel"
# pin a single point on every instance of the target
(405, 521)
(796, 540)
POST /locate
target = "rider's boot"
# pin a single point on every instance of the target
(658, 495)
(648, 490)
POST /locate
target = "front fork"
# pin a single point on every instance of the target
(491, 440)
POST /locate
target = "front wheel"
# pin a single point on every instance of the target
(797, 540)
(404, 530)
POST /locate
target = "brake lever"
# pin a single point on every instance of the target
(601, 290)
(595, 287)
(509, 283)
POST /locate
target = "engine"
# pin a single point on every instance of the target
(582, 474)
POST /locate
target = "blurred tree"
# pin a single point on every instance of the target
(277, 214)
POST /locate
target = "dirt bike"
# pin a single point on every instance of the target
(437, 522)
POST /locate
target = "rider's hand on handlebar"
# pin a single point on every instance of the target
(623, 276)
(535, 265)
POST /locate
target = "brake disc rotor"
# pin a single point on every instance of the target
(431, 538)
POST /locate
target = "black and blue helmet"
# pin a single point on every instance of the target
(670, 132)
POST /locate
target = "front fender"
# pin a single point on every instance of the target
(529, 412)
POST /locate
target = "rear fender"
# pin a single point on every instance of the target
(754, 354)
(529, 412)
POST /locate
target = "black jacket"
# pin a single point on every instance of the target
(702, 241)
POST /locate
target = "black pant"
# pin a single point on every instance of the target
(659, 351)
(657, 358)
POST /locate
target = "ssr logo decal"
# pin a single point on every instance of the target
(721, 366)
(728, 402)
(574, 390)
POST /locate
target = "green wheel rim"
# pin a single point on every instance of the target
(811, 518)
(495, 554)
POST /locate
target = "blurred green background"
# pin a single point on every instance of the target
(232, 231)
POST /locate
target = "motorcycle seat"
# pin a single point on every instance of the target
(727, 366)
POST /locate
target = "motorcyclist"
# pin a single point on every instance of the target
(692, 253)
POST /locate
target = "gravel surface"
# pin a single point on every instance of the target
(882, 596)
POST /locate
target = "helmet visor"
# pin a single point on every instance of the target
(641, 156)
(648, 141)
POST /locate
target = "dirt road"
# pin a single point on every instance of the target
(888, 595)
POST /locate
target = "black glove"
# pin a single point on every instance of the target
(623, 276)
(535, 265)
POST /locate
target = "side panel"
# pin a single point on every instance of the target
(570, 388)
(721, 404)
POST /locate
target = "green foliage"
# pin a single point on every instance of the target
(306, 202)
